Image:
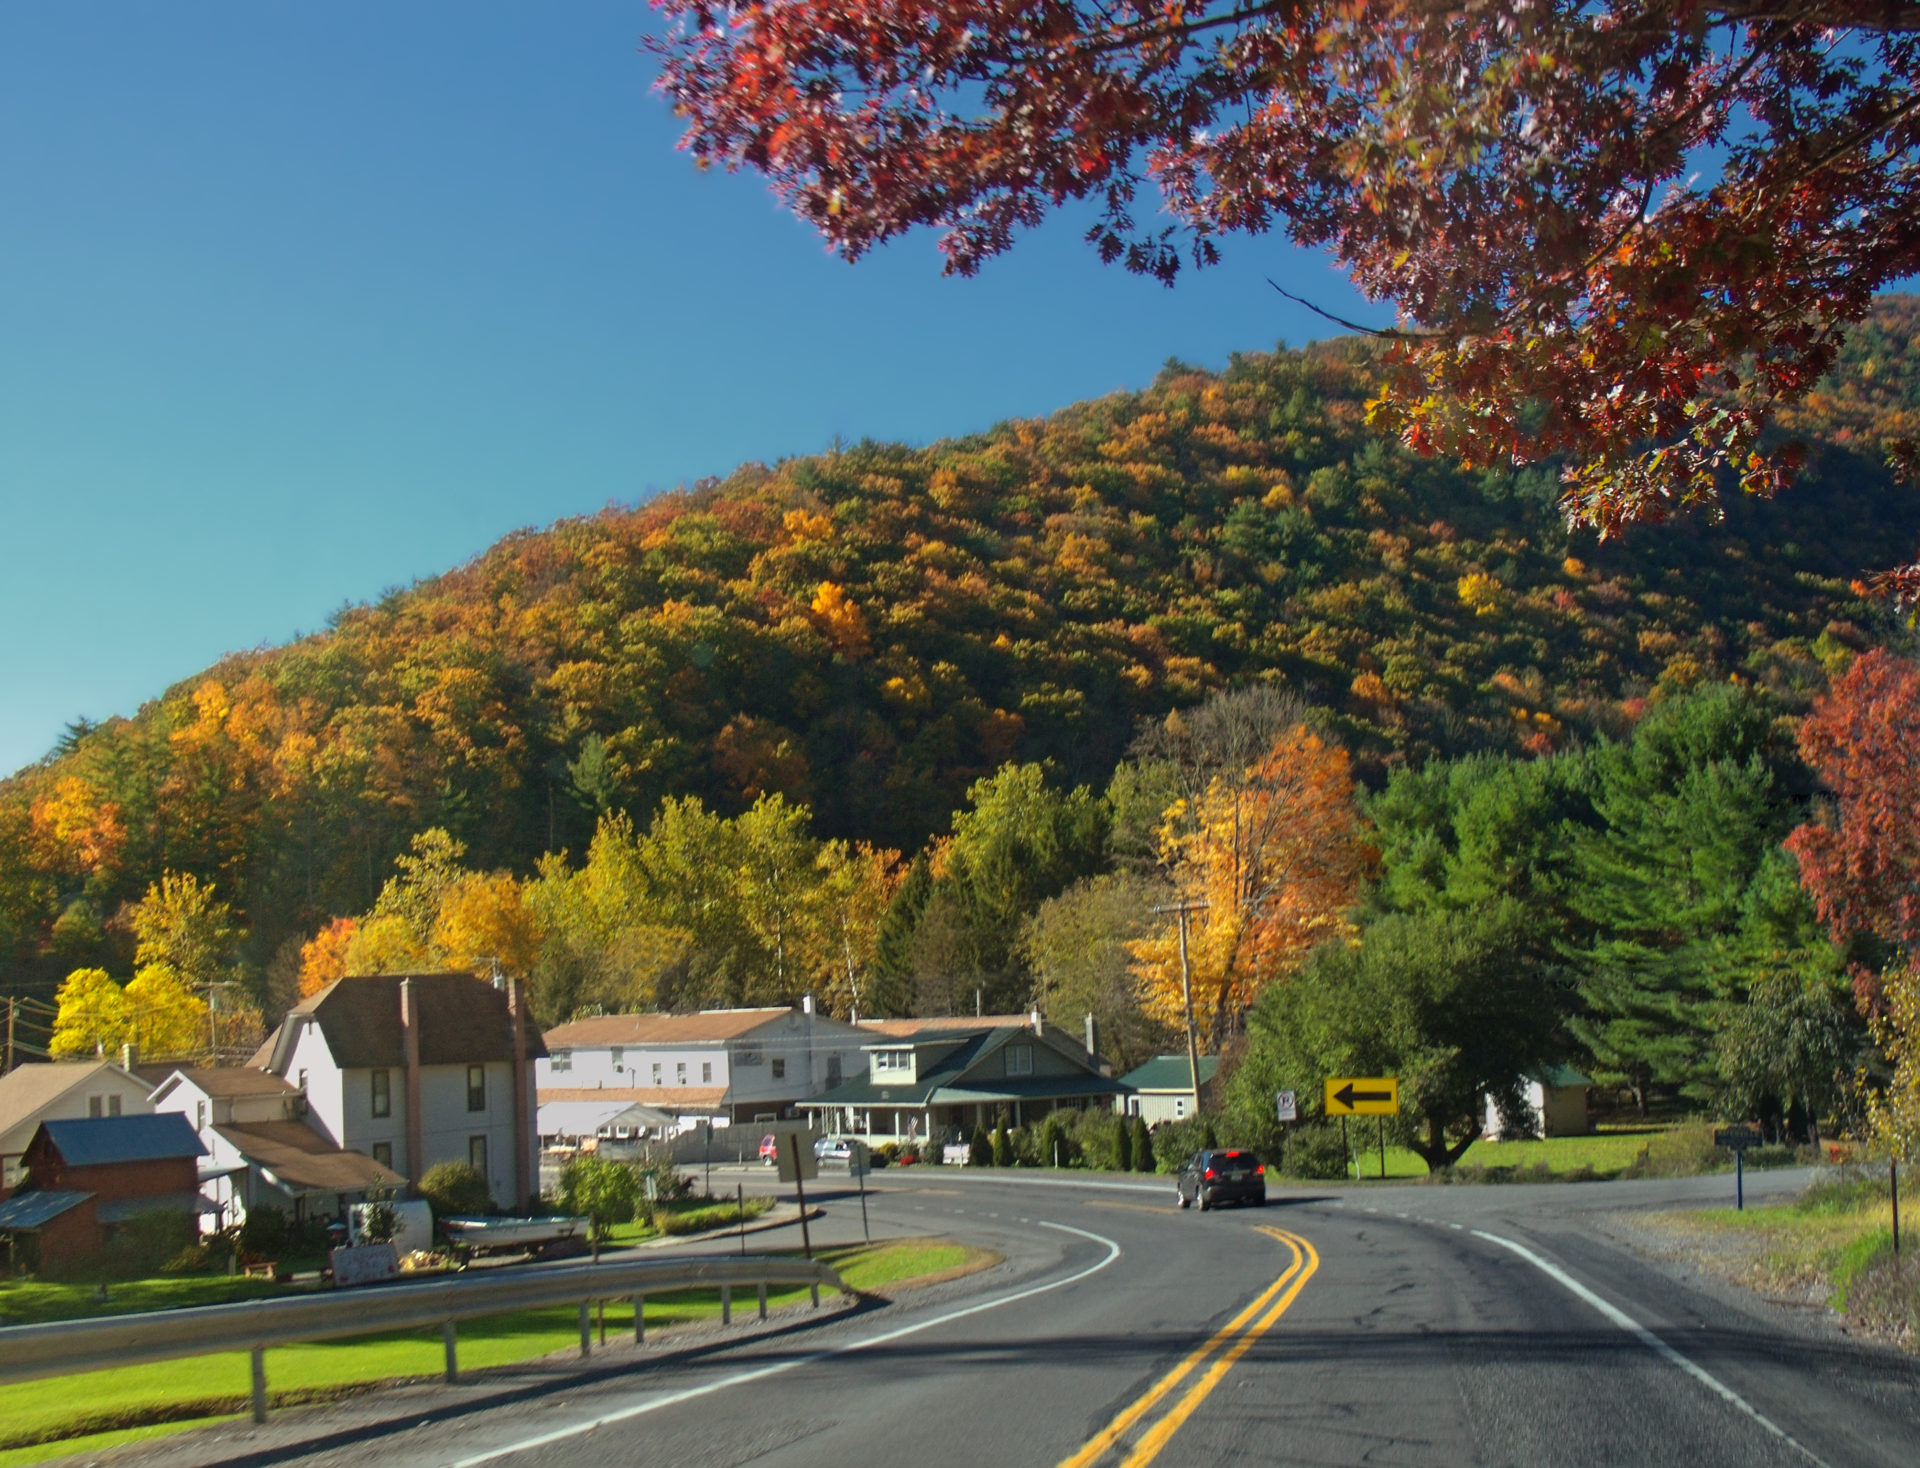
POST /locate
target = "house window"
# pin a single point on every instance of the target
(656, 1072)
(680, 1072)
(382, 1097)
(706, 1072)
(113, 1106)
(618, 1054)
(383, 1153)
(779, 1067)
(199, 1116)
(562, 1061)
(1179, 1107)
(96, 1106)
(833, 1071)
(303, 1080)
(477, 1154)
(1019, 1060)
(892, 1060)
(476, 1088)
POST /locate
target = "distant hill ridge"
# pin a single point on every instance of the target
(870, 630)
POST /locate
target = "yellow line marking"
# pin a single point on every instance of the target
(1167, 1426)
(1116, 1429)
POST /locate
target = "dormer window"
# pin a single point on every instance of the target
(892, 1062)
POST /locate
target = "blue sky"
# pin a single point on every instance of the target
(300, 303)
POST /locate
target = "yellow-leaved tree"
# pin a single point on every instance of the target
(1277, 853)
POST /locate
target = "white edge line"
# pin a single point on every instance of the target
(1654, 1343)
(742, 1378)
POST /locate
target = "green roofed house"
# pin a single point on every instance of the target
(1163, 1087)
(1557, 1097)
(941, 1078)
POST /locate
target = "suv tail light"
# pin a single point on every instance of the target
(1259, 1168)
(1209, 1172)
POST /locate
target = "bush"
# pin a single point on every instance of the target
(1002, 1148)
(1123, 1146)
(980, 1149)
(600, 1189)
(194, 1259)
(1056, 1143)
(264, 1231)
(1314, 1150)
(1176, 1141)
(1683, 1152)
(145, 1244)
(1096, 1135)
(1143, 1159)
(456, 1189)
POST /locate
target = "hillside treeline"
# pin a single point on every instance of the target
(871, 633)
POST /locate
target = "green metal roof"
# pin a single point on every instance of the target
(1170, 1073)
(1557, 1077)
(945, 1081)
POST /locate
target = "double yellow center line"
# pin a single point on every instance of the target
(1227, 1346)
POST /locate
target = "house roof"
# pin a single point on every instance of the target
(1170, 1073)
(706, 1026)
(33, 1210)
(672, 1099)
(907, 1029)
(584, 1118)
(235, 1080)
(941, 1078)
(462, 1020)
(26, 1089)
(1560, 1077)
(100, 1141)
(297, 1154)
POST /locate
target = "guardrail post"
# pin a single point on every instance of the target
(763, 1299)
(726, 1304)
(815, 1288)
(450, 1333)
(639, 1320)
(586, 1329)
(259, 1384)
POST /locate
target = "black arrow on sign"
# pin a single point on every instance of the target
(1346, 1095)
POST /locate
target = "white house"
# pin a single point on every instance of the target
(1558, 1099)
(260, 1150)
(62, 1090)
(943, 1077)
(1163, 1087)
(722, 1065)
(416, 1069)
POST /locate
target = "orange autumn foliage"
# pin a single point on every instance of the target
(323, 957)
(1278, 854)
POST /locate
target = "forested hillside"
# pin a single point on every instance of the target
(869, 631)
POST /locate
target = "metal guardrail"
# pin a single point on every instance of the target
(60, 1348)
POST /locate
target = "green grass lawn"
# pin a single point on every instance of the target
(1604, 1153)
(52, 1413)
(28, 1301)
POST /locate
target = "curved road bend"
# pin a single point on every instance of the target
(1398, 1325)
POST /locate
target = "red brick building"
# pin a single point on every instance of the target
(85, 1176)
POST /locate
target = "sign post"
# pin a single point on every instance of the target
(1377, 1096)
(793, 1141)
(857, 1165)
(1736, 1139)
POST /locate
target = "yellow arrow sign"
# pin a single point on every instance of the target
(1363, 1096)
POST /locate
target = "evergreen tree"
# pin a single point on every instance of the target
(1689, 808)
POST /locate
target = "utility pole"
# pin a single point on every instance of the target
(13, 1010)
(1181, 910)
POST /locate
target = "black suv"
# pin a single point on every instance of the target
(1222, 1177)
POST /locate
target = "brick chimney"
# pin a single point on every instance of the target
(410, 1038)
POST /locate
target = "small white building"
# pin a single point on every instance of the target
(260, 1150)
(718, 1065)
(61, 1090)
(417, 1069)
(1557, 1096)
(1163, 1087)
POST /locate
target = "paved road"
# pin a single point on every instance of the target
(1394, 1325)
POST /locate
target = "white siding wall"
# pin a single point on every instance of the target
(327, 1106)
(446, 1126)
(592, 1067)
(360, 1128)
